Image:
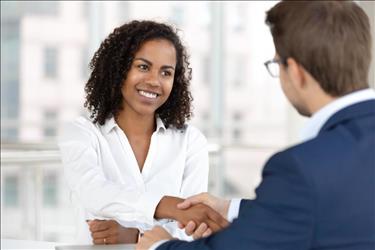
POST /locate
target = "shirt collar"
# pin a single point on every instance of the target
(160, 124)
(316, 122)
(111, 123)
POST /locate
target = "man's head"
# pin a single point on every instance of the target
(325, 42)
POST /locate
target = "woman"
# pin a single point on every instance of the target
(128, 162)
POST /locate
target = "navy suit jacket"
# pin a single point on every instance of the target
(317, 195)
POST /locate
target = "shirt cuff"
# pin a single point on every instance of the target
(234, 209)
(147, 204)
(157, 244)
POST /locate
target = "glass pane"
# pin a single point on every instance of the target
(11, 191)
(50, 190)
(50, 62)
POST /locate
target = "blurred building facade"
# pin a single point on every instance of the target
(46, 48)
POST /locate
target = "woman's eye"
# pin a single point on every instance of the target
(143, 67)
(166, 73)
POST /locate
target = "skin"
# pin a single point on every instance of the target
(152, 71)
(112, 232)
(306, 96)
(148, 85)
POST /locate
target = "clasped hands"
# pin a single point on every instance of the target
(216, 210)
(200, 215)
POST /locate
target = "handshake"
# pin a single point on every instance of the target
(200, 216)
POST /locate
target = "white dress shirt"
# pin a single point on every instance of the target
(313, 126)
(105, 180)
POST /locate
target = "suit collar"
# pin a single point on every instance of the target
(316, 122)
(354, 111)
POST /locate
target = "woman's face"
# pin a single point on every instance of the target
(150, 79)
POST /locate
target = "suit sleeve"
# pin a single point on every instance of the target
(281, 217)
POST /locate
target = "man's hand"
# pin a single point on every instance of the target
(110, 232)
(220, 205)
(201, 213)
(151, 237)
(197, 213)
(216, 203)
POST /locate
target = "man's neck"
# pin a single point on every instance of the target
(320, 101)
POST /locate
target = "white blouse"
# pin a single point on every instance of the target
(106, 183)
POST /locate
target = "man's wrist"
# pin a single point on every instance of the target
(157, 244)
(226, 208)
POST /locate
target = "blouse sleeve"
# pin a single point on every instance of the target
(99, 196)
(195, 178)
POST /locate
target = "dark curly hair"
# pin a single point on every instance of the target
(112, 61)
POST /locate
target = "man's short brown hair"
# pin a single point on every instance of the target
(330, 39)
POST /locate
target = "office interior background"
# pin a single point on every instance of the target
(45, 50)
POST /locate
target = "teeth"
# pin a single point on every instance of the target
(147, 94)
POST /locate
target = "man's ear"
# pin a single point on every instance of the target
(296, 73)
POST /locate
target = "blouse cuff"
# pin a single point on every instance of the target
(147, 204)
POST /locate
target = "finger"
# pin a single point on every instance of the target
(200, 231)
(101, 234)
(111, 240)
(220, 220)
(213, 225)
(192, 200)
(207, 233)
(97, 226)
(99, 241)
(190, 228)
(184, 205)
(180, 225)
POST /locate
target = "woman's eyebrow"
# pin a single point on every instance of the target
(142, 59)
(150, 63)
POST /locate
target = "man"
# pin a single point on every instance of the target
(319, 194)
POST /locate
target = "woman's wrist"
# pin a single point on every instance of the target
(167, 208)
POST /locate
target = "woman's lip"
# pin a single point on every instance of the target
(152, 92)
(146, 99)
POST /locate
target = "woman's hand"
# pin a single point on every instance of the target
(197, 213)
(111, 232)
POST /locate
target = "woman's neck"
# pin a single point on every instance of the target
(134, 124)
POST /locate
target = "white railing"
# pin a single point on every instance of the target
(31, 161)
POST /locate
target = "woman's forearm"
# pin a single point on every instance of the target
(167, 208)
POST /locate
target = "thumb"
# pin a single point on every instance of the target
(192, 200)
(185, 204)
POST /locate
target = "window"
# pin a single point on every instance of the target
(11, 194)
(236, 131)
(240, 63)
(239, 18)
(177, 15)
(50, 190)
(50, 123)
(50, 62)
(41, 8)
(10, 60)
